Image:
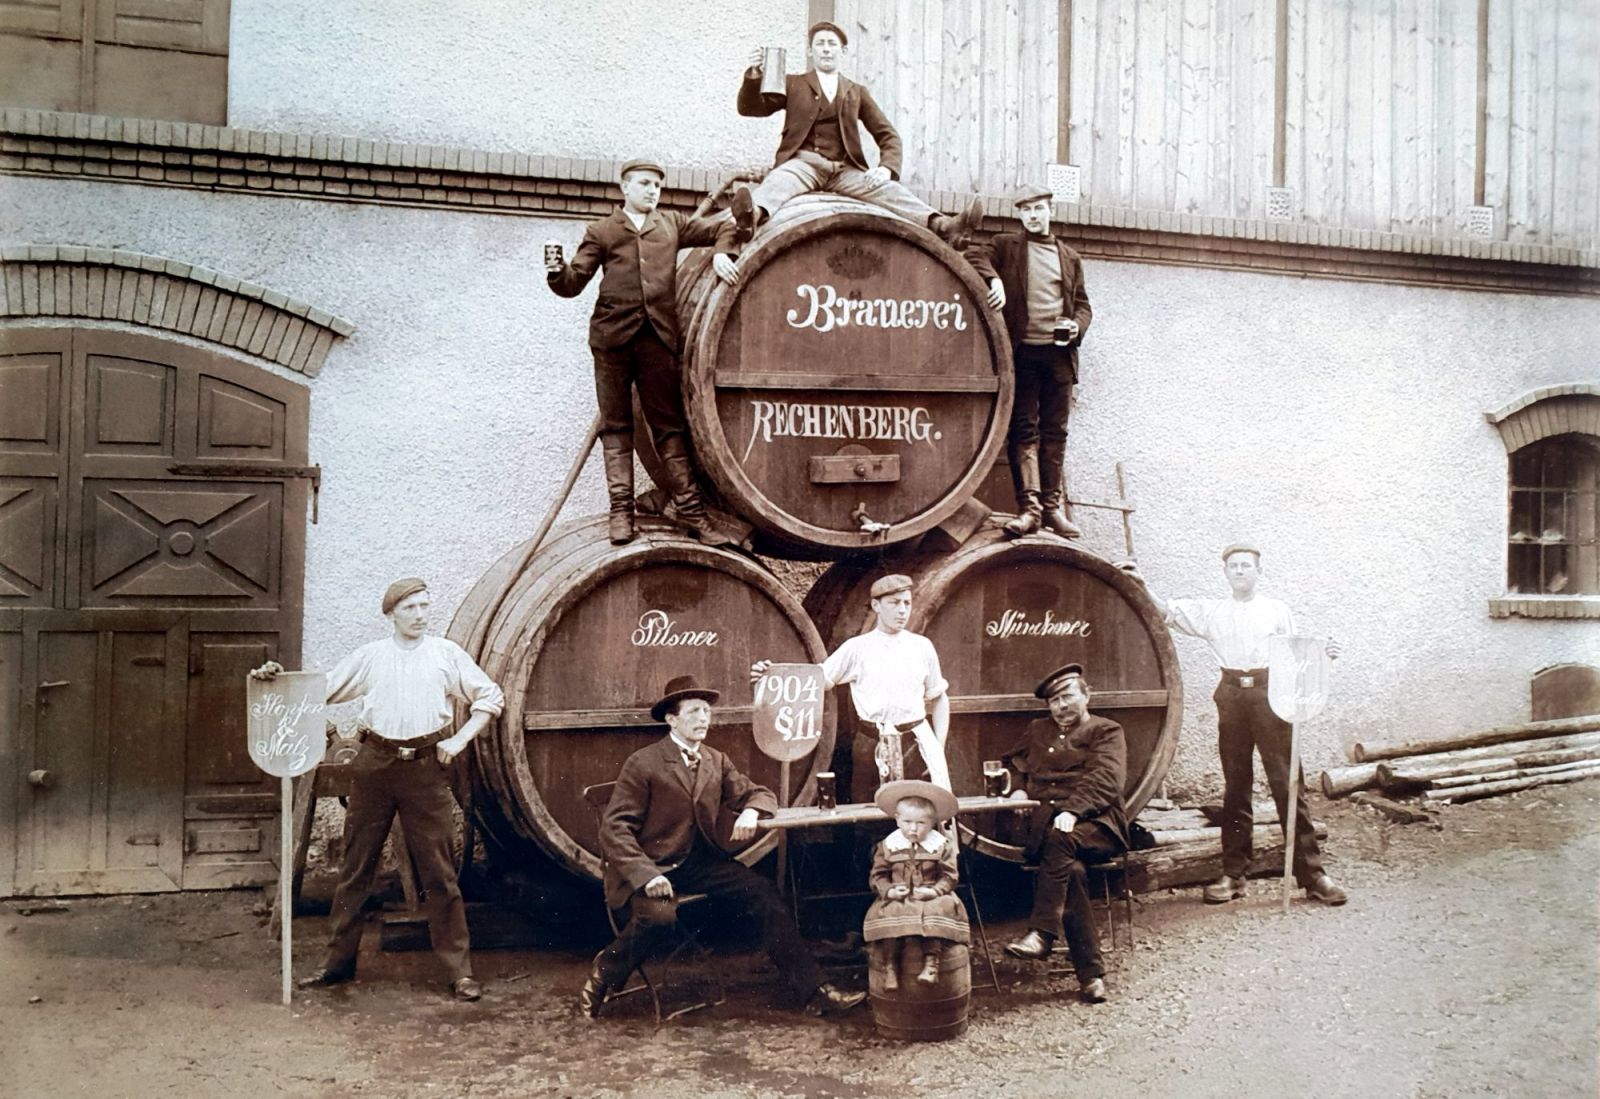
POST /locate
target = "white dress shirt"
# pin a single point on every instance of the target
(406, 693)
(1236, 629)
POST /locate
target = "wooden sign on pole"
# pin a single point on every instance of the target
(285, 733)
(1297, 690)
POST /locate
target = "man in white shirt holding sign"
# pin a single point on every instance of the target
(1237, 630)
(897, 688)
(406, 683)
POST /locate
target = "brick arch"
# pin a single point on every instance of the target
(1571, 409)
(112, 284)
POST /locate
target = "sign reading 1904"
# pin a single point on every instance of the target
(787, 712)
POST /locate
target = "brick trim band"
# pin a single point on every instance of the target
(1552, 410)
(108, 284)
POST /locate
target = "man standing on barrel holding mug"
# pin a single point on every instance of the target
(1036, 282)
(635, 338)
(1074, 765)
(897, 688)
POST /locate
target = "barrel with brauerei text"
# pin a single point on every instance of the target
(1001, 613)
(852, 390)
(584, 642)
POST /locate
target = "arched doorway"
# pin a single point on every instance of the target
(152, 546)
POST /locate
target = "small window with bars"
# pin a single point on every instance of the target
(1554, 534)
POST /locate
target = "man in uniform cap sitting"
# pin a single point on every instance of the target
(406, 684)
(1036, 282)
(659, 835)
(635, 337)
(820, 149)
(897, 688)
(1074, 764)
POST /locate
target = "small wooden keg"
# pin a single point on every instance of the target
(916, 1012)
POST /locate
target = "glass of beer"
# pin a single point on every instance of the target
(996, 779)
(552, 253)
(1066, 330)
(827, 792)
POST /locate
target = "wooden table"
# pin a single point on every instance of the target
(809, 816)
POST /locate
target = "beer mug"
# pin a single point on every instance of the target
(996, 779)
(1066, 330)
(827, 793)
(774, 62)
(552, 253)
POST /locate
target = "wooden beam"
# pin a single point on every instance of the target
(1481, 121)
(1280, 95)
(1064, 82)
(538, 720)
(819, 11)
(894, 383)
(1014, 704)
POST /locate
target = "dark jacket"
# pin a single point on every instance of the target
(654, 818)
(1082, 772)
(802, 99)
(641, 272)
(1005, 256)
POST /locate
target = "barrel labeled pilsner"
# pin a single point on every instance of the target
(853, 389)
(584, 642)
(1002, 613)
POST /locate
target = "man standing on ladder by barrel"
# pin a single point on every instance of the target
(1036, 282)
(635, 338)
(821, 145)
(897, 688)
(406, 684)
(1237, 630)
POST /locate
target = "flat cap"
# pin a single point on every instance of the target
(402, 590)
(1052, 682)
(642, 164)
(824, 25)
(1240, 547)
(1030, 193)
(890, 585)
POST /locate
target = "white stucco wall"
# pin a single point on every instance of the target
(653, 77)
(1339, 423)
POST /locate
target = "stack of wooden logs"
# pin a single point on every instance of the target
(1483, 764)
(1188, 848)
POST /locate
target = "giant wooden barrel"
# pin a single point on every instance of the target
(1003, 612)
(916, 1012)
(854, 375)
(583, 643)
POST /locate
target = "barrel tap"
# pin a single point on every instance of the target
(869, 525)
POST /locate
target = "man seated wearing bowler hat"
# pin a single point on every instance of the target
(659, 835)
(1036, 282)
(1074, 764)
(820, 149)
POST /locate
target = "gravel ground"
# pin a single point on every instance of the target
(1464, 965)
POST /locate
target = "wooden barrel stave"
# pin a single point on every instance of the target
(1128, 654)
(936, 406)
(577, 697)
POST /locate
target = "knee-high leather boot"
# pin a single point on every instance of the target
(1052, 476)
(686, 500)
(617, 450)
(1025, 480)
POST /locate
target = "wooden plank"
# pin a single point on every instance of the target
(1024, 703)
(1379, 123)
(855, 383)
(1081, 80)
(535, 720)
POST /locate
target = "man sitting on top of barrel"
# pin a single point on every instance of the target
(659, 835)
(897, 688)
(821, 145)
(635, 337)
(1074, 765)
(1036, 282)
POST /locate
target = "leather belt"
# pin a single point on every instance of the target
(1246, 678)
(868, 729)
(403, 750)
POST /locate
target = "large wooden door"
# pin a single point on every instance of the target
(143, 481)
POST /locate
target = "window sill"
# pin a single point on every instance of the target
(1545, 606)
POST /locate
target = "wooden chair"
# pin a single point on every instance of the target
(686, 949)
